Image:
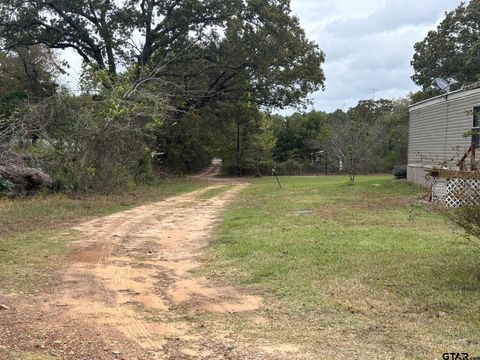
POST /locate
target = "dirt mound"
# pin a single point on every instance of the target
(26, 180)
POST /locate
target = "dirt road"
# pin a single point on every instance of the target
(140, 262)
(130, 290)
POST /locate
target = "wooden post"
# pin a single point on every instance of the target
(473, 165)
(274, 173)
(461, 163)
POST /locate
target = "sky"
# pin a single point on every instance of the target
(368, 45)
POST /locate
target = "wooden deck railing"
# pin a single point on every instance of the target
(470, 152)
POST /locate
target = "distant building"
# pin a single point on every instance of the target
(437, 129)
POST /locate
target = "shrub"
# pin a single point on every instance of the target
(264, 167)
(293, 167)
(400, 172)
(85, 143)
(5, 186)
(468, 218)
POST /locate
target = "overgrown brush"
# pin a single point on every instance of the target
(91, 142)
(468, 218)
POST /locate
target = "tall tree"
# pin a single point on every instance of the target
(26, 72)
(387, 134)
(452, 51)
(300, 135)
(348, 140)
(207, 50)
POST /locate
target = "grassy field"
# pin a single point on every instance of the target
(34, 229)
(346, 271)
(349, 270)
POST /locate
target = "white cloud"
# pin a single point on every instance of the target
(71, 78)
(368, 44)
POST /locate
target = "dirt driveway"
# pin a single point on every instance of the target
(130, 289)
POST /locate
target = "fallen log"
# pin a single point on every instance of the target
(26, 180)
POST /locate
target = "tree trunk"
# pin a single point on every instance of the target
(237, 154)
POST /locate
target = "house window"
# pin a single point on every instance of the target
(476, 126)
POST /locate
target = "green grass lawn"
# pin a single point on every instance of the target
(33, 230)
(349, 270)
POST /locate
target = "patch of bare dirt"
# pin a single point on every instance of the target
(127, 287)
(211, 171)
(35, 326)
(213, 174)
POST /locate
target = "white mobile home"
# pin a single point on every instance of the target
(437, 129)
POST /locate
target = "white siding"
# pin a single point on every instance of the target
(436, 131)
(417, 175)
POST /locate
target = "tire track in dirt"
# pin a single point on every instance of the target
(136, 265)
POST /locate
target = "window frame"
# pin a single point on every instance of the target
(476, 126)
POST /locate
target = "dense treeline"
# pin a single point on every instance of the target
(168, 85)
(164, 83)
(370, 137)
(120, 135)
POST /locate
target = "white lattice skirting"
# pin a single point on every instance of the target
(457, 192)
